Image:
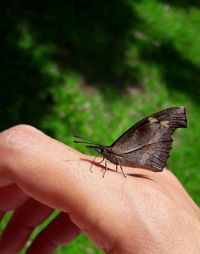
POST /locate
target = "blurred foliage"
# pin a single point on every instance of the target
(96, 67)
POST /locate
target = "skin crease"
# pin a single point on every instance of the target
(144, 213)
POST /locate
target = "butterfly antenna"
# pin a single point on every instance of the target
(88, 141)
(83, 142)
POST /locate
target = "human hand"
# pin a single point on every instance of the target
(138, 214)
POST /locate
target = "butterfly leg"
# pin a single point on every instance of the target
(121, 169)
(102, 160)
(92, 164)
(94, 161)
(117, 167)
(105, 168)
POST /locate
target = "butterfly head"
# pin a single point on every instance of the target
(93, 145)
(99, 148)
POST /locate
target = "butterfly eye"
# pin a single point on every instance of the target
(102, 150)
(99, 149)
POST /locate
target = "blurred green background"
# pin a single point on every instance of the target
(96, 67)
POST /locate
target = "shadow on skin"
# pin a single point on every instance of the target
(98, 164)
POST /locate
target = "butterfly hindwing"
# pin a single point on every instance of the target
(148, 143)
(152, 152)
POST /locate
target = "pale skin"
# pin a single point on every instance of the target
(147, 213)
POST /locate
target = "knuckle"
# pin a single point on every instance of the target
(13, 143)
(17, 137)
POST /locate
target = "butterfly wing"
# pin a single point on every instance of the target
(148, 143)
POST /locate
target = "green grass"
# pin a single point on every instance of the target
(97, 74)
(80, 245)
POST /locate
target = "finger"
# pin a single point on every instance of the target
(60, 231)
(38, 165)
(21, 225)
(11, 197)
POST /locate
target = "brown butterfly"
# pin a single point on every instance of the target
(146, 144)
